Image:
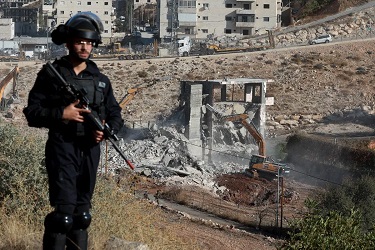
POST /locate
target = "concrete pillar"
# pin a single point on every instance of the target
(192, 99)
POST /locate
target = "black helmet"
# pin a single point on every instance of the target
(85, 25)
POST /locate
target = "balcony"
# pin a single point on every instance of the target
(245, 12)
(187, 24)
(245, 24)
(187, 10)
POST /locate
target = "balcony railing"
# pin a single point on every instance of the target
(245, 12)
(187, 24)
(245, 24)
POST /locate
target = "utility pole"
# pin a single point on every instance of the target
(173, 23)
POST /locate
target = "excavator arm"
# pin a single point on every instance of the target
(131, 94)
(252, 130)
(249, 126)
(128, 97)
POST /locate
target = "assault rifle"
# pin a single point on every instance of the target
(95, 122)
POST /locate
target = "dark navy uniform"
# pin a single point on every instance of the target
(72, 155)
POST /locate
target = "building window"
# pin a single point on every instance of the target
(205, 31)
(228, 18)
(245, 32)
(266, 6)
(78, 2)
(205, 18)
(106, 31)
(266, 19)
(205, 5)
(105, 3)
(229, 5)
(246, 6)
(228, 31)
(105, 12)
(88, 3)
(187, 4)
(61, 12)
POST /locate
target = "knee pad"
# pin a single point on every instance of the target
(81, 221)
(56, 222)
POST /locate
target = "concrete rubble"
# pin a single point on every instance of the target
(164, 156)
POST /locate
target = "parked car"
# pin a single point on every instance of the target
(8, 51)
(321, 39)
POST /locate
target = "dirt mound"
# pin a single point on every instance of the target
(244, 190)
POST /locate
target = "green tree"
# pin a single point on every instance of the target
(333, 231)
(340, 217)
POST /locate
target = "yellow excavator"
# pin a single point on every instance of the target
(131, 93)
(210, 49)
(260, 165)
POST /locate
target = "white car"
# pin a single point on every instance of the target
(321, 39)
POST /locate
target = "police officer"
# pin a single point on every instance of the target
(72, 150)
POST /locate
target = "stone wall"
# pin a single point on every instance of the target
(358, 25)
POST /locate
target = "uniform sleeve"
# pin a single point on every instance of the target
(41, 111)
(113, 110)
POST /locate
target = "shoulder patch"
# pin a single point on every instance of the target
(102, 84)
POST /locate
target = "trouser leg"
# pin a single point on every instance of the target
(54, 241)
(56, 225)
(77, 238)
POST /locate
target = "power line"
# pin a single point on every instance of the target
(306, 174)
(248, 158)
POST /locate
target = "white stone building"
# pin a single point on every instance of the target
(103, 9)
(200, 19)
(6, 29)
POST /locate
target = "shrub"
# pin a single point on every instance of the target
(22, 173)
(342, 217)
(142, 74)
(333, 231)
(23, 188)
(358, 194)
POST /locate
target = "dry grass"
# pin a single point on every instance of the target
(116, 212)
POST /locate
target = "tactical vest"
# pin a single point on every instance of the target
(94, 92)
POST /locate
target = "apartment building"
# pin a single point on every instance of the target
(103, 9)
(138, 3)
(202, 19)
(24, 14)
